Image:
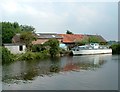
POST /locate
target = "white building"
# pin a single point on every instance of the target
(15, 48)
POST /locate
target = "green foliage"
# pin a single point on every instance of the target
(10, 29)
(27, 38)
(54, 47)
(115, 48)
(69, 32)
(38, 48)
(7, 57)
(28, 56)
(87, 40)
(33, 55)
(27, 28)
(93, 39)
(64, 52)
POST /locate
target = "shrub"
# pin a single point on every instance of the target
(7, 57)
(28, 56)
(54, 47)
(34, 55)
(38, 48)
(115, 48)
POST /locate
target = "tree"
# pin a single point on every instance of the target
(54, 47)
(27, 28)
(93, 39)
(7, 57)
(8, 31)
(69, 32)
(27, 38)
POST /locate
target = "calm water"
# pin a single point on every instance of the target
(89, 72)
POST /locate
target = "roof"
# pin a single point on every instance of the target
(16, 38)
(48, 35)
(12, 44)
(71, 38)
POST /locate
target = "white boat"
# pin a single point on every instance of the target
(90, 49)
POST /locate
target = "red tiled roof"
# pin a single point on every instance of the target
(71, 38)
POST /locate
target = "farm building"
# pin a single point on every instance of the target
(15, 48)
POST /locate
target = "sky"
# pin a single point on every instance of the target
(56, 16)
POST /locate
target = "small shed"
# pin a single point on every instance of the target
(15, 48)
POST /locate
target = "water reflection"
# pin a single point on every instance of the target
(22, 70)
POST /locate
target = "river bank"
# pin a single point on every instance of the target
(32, 55)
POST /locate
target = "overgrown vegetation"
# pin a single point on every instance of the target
(38, 47)
(33, 55)
(115, 48)
(41, 51)
(10, 29)
(27, 38)
(90, 39)
(53, 47)
(7, 57)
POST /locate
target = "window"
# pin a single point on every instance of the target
(20, 48)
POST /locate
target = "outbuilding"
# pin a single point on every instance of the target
(16, 48)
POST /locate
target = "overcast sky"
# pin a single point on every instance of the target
(53, 16)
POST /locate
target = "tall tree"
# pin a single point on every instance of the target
(54, 47)
(27, 28)
(27, 38)
(8, 31)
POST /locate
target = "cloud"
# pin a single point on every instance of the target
(55, 16)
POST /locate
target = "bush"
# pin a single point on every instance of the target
(7, 57)
(28, 56)
(54, 47)
(34, 55)
(115, 48)
(38, 48)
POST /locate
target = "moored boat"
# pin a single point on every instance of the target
(90, 49)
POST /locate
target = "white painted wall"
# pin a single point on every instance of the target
(14, 49)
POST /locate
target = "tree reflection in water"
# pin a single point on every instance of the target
(51, 66)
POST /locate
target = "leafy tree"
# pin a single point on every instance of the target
(8, 31)
(54, 47)
(27, 38)
(27, 28)
(93, 39)
(69, 32)
(38, 48)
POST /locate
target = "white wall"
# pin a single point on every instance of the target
(15, 49)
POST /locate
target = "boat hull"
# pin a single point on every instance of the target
(92, 52)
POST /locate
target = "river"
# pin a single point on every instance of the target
(87, 72)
